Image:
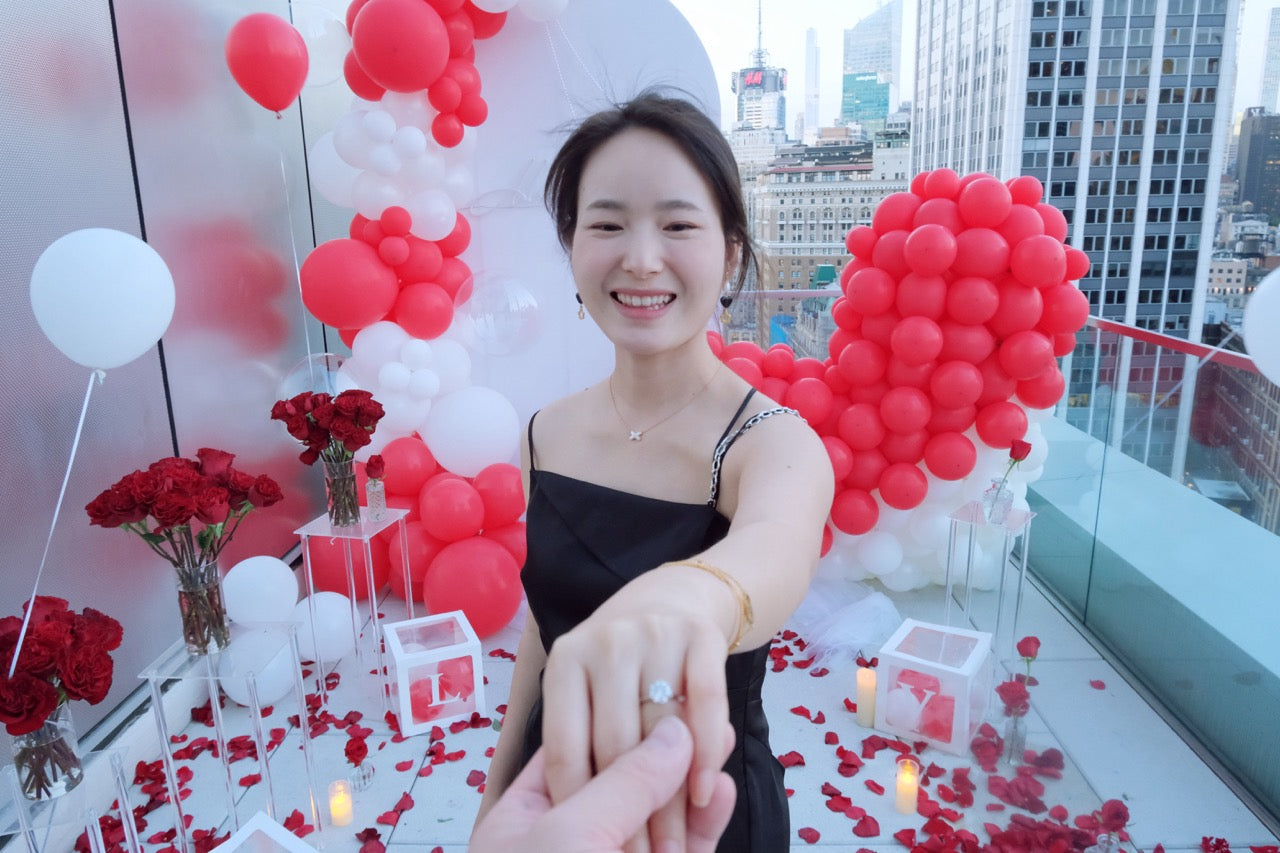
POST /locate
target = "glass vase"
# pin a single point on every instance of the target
(340, 491)
(997, 500)
(204, 615)
(48, 759)
(1015, 740)
(1105, 843)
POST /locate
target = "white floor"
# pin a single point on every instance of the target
(1115, 746)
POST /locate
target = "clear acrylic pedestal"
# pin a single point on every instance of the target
(53, 825)
(968, 522)
(368, 642)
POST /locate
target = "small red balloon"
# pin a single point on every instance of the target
(895, 213)
(1077, 264)
(916, 340)
(513, 538)
(844, 314)
(860, 241)
(841, 456)
(809, 368)
(917, 183)
(1026, 189)
(905, 446)
(951, 420)
(950, 456)
(1055, 224)
(457, 240)
(963, 342)
(903, 486)
(811, 398)
(890, 253)
(501, 489)
(862, 362)
(409, 465)
(984, 202)
(905, 409)
(1038, 261)
(930, 249)
(424, 310)
(1043, 391)
(955, 384)
(972, 300)
(747, 369)
(898, 373)
(865, 470)
(939, 211)
(1021, 223)
(780, 360)
(980, 252)
(1063, 344)
(860, 426)
(854, 511)
(998, 424)
(942, 183)
(1026, 354)
(997, 384)
(923, 295)
(1020, 308)
(749, 350)
(422, 548)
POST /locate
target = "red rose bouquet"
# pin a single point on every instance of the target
(187, 511)
(332, 430)
(64, 655)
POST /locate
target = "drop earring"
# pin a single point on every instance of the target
(582, 312)
(725, 302)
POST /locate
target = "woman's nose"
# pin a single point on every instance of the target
(643, 255)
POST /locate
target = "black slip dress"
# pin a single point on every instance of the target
(585, 541)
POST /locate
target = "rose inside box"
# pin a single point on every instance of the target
(435, 670)
(932, 684)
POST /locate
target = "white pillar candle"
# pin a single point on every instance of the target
(340, 806)
(866, 697)
(908, 786)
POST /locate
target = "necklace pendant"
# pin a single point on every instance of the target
(636, 435)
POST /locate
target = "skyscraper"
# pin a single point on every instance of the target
(1270, 95)
(762, 102)
(811, 103)
(1258, 168)
(872, 55)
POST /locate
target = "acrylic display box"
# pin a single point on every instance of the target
(434, 670)
(932, 684)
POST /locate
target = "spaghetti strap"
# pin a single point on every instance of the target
(733, 420)
(727, 440)
(533, 465)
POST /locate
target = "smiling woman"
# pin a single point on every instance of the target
(660, 563)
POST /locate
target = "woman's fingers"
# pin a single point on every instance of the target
(566, 726)
(706, 710)
(706, 825)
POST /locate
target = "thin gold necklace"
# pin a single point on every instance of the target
(638, 434)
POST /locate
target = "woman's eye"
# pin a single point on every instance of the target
(604, 226)
(681, 226)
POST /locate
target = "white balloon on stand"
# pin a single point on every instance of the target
(259, 589)
(333, 634)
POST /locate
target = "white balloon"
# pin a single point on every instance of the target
(471, 429)
(1261, 319)
(333, 176)
(452, 364)
(378, 343)
(543, 10)
(333, 635)
(460, 184)
(379, 125)
(410, 109)
(433, 212)
(325, 35)
(423, 383)
(384, 160)
(350, 140)
(880, 552)
(416, 354)
(265, 655)
(102, 297)
(424, 172)
(905, 578)
(409, 142)
(259, 589)
(401, 414)
(892, 519)
(496, 6)
(393, 377)
(374, 193)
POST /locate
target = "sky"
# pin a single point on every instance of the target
(730, 39)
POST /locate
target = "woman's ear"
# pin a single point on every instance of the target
(732, 252)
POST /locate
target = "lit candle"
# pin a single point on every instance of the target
(340, 811)
(866, 697)
(908, 785)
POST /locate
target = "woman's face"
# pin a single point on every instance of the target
(649, 254)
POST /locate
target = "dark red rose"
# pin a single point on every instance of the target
(46, 607)
(213, 504)
(238, 486)
(25, 702)
(356, 750)
(86, 673)
(173, 510)
(214, 463)
(1114, 816)
(265, 492)
(1019, 449)
(1016, 698)
(95, 628)
(43, 647)
(375, 467)
(116, 506)
(1029, 647)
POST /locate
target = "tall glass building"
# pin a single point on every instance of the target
(871, 68)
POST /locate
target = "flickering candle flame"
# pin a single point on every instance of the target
(340, 806)
(908, 786)
(866, 697)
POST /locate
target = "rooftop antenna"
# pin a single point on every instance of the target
(759, 55)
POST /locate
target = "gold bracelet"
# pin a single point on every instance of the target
(747, 616)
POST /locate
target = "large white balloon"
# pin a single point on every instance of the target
(260, 589)
(333, 637)
(264, 655)
(102, 297)
(880, 552)
(378, 343)
(1261, 319)
(471, 429)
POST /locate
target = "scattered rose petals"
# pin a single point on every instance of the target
(1097, 684)
(867, 827)
(389, 818)
(831, 739)
(874, 787)
(791, 759)
(809, 835)
(906, 837)
(475, 778)
(850, 705)
(403, 765)
(251, 779)
(426, 770)
(819, 672)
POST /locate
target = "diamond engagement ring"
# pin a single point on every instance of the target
(660, 693)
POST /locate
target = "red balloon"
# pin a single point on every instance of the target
(460, 28)
(972, 300)
(1021, 223)
(860, 426)
(905, 409)
(1044, 390)
(346, 285)
(904, 447)
(457, 240)
(1000, 423)
(1065, 310)
(402, 45)
(395, 221)
(329, 565)
(774, 388)
(477, 576)
(939, 211)
(868, 393)
(951, 420)
(424, 261)
(447, 129)
(964, 342)
(393, 250)
(749, 350)
(827, 539)
(1055, 224)
(950, 456)
(860, 241)
(840, 338)
(715, 342)
(780, 360)
(465, 73)
(984, 202)
(866, 469)
(835, 379)
(923, 295)
(352, 10)
(916, 340)
(930, 249)
(809, 368)
(472, 110)
(511, 537)
(1026, 354)
(424, 310)
(445, 94)
(348, 336)
(501, 489)
(456, 279)
(955, 384)
(847, 271)
(451, 508)
(981, 252)
(372, 232)
(942, 183)
(878, 328)
(1077, 263)
(747, 369)
(997, 384)
(917, 183)
(890, 253)
(895, 213)
(1063, 344)
(841, 456)
(862, 362)
(423, 548)
(268, 59)
(903, 485)
(487, 24)
(844, 315)
(359, 82)
(854, 511)
(1020, 308)
(1038, 261)
(1026, 189)
(899, 373)
(356, 230)
(811, 398)
(871, 291)
(409, 465)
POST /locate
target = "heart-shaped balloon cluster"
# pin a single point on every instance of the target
(956, 305)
